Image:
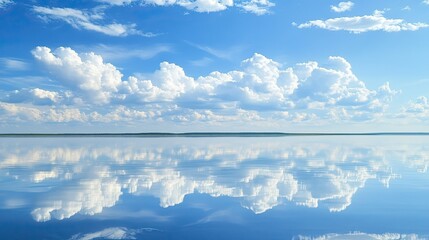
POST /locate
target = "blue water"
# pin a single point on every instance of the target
(298, 187)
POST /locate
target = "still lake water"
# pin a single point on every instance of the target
(312, 187)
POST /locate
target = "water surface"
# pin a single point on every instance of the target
(296, 187)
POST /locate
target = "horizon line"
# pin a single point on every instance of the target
(212, 134)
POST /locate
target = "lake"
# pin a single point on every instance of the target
(292, 187)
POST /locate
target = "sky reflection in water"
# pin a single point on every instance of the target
(205, 188)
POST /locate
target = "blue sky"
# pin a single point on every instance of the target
(213, 65)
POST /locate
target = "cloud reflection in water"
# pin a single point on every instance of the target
(87, 175)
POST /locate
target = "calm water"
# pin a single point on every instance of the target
(327, 187)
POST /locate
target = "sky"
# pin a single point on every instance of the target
(214, 65)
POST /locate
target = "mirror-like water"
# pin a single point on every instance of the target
(344, 187)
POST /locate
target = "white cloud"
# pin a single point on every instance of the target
(416, 109)
(421, 105)
(86, 72)
(81, 19)
(65, 115)
(10, 112)
(426, 2)
(258, 7)
(260, 90)
(121, 113)
(360, 24)
(36, 96)
(195, 5)
(342, 6)
(13, 112)
(261, 85)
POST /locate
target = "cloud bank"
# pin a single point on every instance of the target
(260, 89)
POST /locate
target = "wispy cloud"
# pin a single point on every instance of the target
(195, 5)
(116, 233)
(13, 64)
(406, 8)
(29, 81)
(121, 214)
(366, 23)
(227, 54)
(116, 52)
(224, 216)
(205, 61)
(81, 19)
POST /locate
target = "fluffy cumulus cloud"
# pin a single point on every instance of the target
(342, 6)
(91, 21)
(86, 73)
(260, 89)
(366, 23)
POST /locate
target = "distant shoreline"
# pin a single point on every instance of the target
(209, 134)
